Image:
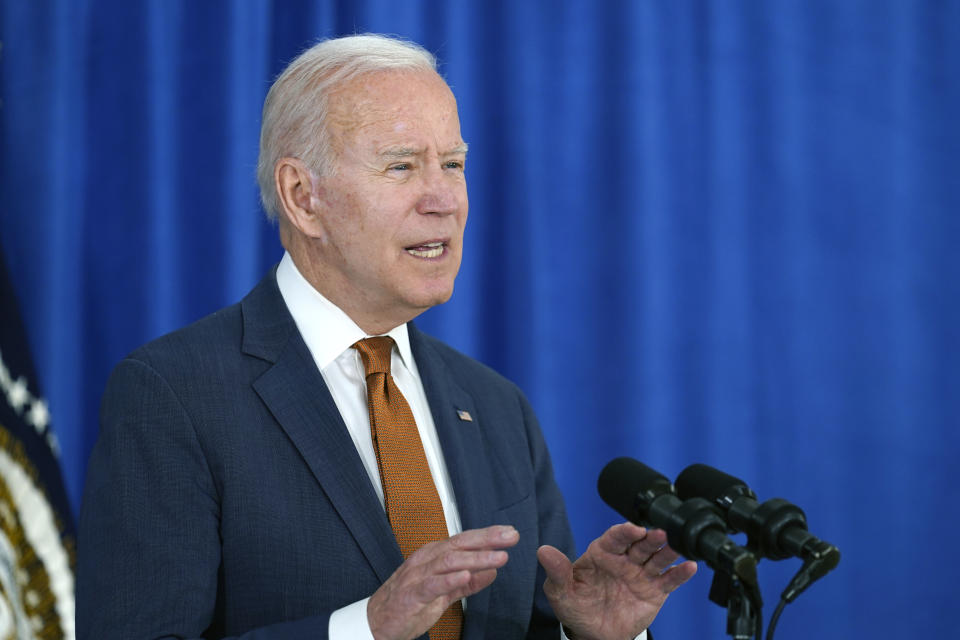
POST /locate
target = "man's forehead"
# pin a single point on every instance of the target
(397, 106)
(391, 92)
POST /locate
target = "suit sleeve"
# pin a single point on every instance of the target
(149, 546)
(554, 528)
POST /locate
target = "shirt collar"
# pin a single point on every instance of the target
(325, 328)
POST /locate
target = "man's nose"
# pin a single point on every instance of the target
(440, 193)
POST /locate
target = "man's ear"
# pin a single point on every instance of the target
(295, 185)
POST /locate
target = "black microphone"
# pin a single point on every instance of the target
(776, 529)
(645, 497)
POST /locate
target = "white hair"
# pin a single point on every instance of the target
(295, 110)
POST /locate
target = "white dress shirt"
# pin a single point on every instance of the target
(329, 334)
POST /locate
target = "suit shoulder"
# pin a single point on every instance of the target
(220, 336)
(212, 336)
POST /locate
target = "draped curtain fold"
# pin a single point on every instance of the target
(699, 232)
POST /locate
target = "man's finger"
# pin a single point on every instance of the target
(619, 538)
(657, 562)
(455, 585)
(495, 537)
(654, 561)
(445, 585)
(472, 540)
(558, 567)
(641, 546)
(480, 580)
(677, 575)
(453, 560)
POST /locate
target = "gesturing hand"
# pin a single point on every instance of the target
(433, 577)
(615, 589)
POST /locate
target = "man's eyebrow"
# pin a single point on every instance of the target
(459, 149)
(406, 152)
(400, 152)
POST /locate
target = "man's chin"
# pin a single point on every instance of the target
(432, 298)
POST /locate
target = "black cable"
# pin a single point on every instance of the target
(774, 618)
(758, 605)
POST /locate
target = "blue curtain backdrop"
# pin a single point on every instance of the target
(700, 231)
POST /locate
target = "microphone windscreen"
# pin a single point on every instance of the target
(703, 481)
(622, 479)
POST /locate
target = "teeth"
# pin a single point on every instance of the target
(431, 250)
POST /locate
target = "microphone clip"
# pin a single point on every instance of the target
(743, 603)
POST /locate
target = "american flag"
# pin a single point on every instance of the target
(37, 535)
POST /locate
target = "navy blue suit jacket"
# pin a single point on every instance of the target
(225, 498)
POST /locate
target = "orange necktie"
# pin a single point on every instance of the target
(412, 503)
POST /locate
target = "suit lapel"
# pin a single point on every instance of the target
(294, 392)
(465, 455)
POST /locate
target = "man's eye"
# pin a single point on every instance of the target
(403, 166)
(453, 164)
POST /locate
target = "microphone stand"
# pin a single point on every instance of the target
(743, 604)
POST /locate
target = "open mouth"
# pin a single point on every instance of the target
(428, 250)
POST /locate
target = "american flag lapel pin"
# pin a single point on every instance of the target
(464, 415)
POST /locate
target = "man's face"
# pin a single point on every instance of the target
(394, 213)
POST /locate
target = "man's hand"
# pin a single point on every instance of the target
(436, 575)
(615, 589)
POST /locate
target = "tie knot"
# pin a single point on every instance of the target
(375, 353)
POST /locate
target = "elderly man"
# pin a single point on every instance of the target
(307, 464)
